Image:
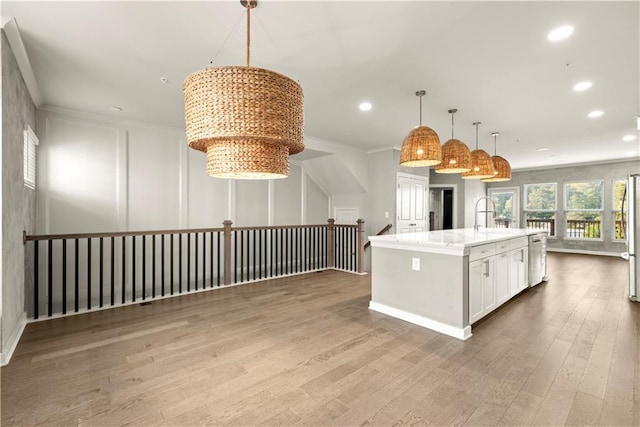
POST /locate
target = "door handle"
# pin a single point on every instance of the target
(486, 273)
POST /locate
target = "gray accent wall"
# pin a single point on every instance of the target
(609, 172)
(18, 201)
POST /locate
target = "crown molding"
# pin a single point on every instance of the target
(12, 32)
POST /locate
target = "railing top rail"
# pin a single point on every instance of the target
(346, 225)
(118, 234)
(161, 232)
(278, 227)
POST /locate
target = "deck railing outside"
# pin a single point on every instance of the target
(543, 224)
(76, 273)
(583, 228)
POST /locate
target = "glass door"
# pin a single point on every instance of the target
(507, 207)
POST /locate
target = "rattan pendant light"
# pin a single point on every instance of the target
(481, 164)
(248, 120)
(500, 164)
(422, 146)
(456, 157)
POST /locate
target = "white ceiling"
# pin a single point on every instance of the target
(491, 60)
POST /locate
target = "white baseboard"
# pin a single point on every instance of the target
(583, 252)
(425, 322)
(12, 342)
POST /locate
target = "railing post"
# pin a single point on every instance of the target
(227, 251)
(331, 242)
(360, 255)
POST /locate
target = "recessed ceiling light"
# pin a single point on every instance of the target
(596, 113)
(543, 149)
(118, 109)
(628, 137)
(579, 87)
(365, 106)
(560, 33)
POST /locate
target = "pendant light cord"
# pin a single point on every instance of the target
(248, 31)
(420, 110)
(495, 145)
(452, 113)
(476, 125)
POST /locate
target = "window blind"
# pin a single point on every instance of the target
(29, 156)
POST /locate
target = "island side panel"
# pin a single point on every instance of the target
(438, 291)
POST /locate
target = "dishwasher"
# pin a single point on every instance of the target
(537, 258)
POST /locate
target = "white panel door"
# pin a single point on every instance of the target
(411, 206)
(347, 216)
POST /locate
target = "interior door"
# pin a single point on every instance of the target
(507, 207)
(411, 203)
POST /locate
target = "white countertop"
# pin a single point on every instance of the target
(449, 241)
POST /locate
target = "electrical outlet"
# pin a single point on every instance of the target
(415, 264)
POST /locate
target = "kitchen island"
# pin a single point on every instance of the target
(447, 280)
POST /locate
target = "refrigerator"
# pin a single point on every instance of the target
(631, 201)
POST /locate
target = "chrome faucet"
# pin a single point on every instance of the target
(476, 226)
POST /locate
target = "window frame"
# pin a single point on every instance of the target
(566, 210)
(614, 211)
(525, 209)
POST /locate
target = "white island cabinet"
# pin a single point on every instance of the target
(447, 280)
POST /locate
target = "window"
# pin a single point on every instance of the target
(29, 157)
(506, 203)
(583, 204)
(540, 206)
(619, 188)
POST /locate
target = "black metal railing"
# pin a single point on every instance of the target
(503, 223)
(82, 272)
(543, 224)
(583, 228)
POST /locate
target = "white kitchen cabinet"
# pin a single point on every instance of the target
(476, 279)
(502, 278)
(519, 270)
(482, 287)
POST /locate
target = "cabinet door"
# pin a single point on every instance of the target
(476, 276)
(489, 285)
(523, 273)
(502, 278)
(519, 274)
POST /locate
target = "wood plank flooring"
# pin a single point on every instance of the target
(306, 350)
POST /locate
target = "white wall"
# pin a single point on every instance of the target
(101, 174)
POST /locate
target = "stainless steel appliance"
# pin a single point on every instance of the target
(631, 227)
(537, 258)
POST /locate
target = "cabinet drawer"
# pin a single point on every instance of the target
(482, 251)
(518, 243)
(502, 246)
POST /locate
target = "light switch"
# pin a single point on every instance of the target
(386, 214)
(415, 264)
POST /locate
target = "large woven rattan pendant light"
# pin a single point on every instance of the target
(481, 164)
(500, 164)
(248, 120)
(422, 146)
(456, 157)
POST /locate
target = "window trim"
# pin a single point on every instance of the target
(524, 197)
(614, 211)
(567, 210)
(601, 181)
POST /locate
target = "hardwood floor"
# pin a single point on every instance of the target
(306, 350)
